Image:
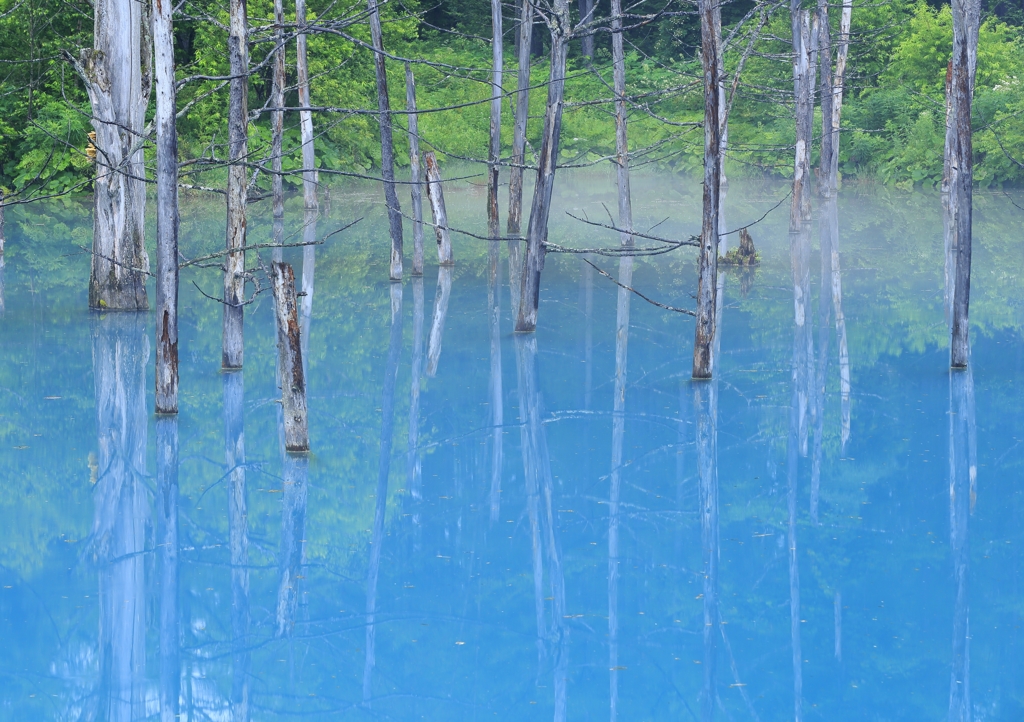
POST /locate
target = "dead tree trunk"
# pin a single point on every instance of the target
(515, 178)
(621, 137)
(444, 291)
(166, 213)
(801, 27)
(167, 530)
(828, 137)
(387, 144)
(435, 194)
(537, 231)
(707, 284)
(837, 91)
(3, 239)
(966, 19)
(116, 72)
(495, 379)
(414, 467)
(587, 8)
(289, 347)
(494, 151)
(309, 179)
(238, 177)
(416, 187)
(238, 542)
(277, 127)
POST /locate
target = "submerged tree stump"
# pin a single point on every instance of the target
(745, 255)
(289, 347)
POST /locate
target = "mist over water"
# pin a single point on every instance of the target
(491, 526)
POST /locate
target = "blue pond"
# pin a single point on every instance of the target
(499, 527)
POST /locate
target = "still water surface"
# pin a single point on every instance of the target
(498, 527)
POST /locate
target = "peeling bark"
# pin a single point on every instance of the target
(289, 347)
(238, 178)
(435, 194)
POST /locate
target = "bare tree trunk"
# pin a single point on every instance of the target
(801, 26)
(515, 178)
(292, 556)
(444, 290)
(494, 150)
(309, 175)
(166, 213)
(826, 223)
(238, 179)
(537, 231)
(706, 410)
(828, 134)
(837, 90)
(621, 137)
(587, 8)
(238, 542)
(167, 530)
(966, 20)
(387, 144)
(3, 240)
(792, 464)
(435, 194)
(844, 351)
(962, 475)
(414, 471)
(289, 346)
(117, 76)
(416, 187)
(723, 139)
(496, 395)
(707, 284)
(948, 220)
(277, 128)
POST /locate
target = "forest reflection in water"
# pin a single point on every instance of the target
(539, 526)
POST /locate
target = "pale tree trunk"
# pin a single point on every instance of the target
(414, 466)
(837, 91)
(289, 346)
(792, 472)
(537, 230)
(116, 72)
(238, 178)
(948, 232)
(825, 226)
(277, 128)
(587, 8)
(167, 531)
(621, 136)
(705, 398)
(3, 240)
(494, 150)
(723, 140)
(435, 194)
(238, 542)
(515, 178)
(292, 556)
(966, 20)
(166, 212)
(844, 351)
(444, 291)
(707, 284)
(495, 385)
(387, 144)
(801, 27)
(828, 137)
(415, 187)
(309, 179)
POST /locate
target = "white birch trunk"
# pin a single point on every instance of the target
(837, 90)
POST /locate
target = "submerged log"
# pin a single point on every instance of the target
(415, 186)
(289, 347)
(435, 194)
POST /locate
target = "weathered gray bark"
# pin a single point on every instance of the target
(827, 223)
(167, 535)
(387, 144)
(383, 472)
(587, 8)
(238, 179)
(800, 209)
(966, 21)
(515, 177)
(844, 352)
(537, 230)
(117, 543)
(292, 555)
(707, 283)
(238, 542)
(435, 194)
(289, 347)
(495, 380)
(308, 277)
(414, 471)
(444, 290)
(838, 81)
(166, 212)
(621, 136)
(309, 175)
(828, 137)
(705, 403)
(3, 237)
(415, 187)
(494, 149)
(116, 72)
(277, 128)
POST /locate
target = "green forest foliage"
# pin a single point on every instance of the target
(893, 106)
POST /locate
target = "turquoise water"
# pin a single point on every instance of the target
(502, 527)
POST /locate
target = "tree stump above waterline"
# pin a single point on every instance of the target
(745, 255)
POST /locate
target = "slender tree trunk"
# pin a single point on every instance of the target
(828, 135)
(3, 239)
(238, 179)
(435, 194)
(292, 556)
(166, 213)
(414, 471)
(309, 175)
(238, 543)
(289, 346)
(948, 219)
(844, 352)
(621, 137)
(515, 179)
(723, 139)
(966, 20)
(801, 26)
(707, 284)
(277, 128)
(494, 150)
(587, 8)
(167, 529)
(837, 90)
(706, 411)
(387, 144)
(537, 231)
(116, 72)
(962, 475)
(792, 464)
(496, 395)
(416, 187)
(824, 316)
